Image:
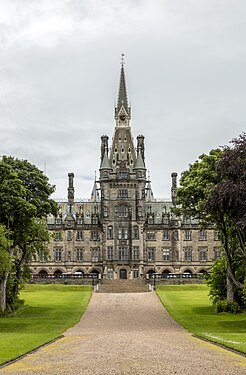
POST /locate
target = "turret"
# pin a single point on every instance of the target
(140, 146)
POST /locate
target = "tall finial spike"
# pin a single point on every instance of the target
(122, 59)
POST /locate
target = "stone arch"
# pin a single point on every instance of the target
(188, 271)
(165, 273)
(58, 273)
(43, 273)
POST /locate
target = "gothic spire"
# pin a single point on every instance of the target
(122, 94)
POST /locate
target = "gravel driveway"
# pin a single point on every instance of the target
(128, 334)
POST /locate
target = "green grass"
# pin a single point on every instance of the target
(191, 307)
(49, 310)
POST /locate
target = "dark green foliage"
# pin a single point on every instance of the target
(24, 204)
(213, 190)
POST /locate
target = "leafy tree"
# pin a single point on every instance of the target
(213, 190)
(5, 265)
(25, 202)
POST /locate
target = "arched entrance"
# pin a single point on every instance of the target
(43, 273)
(58, 273)
(123, 273)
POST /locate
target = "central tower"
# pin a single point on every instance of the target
(122, 184)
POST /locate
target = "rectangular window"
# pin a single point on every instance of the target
(94, 235)
(79, 255)
(202, 235)
(187, 235)
(105, 211)
(58, 221)
(42, 257)
(110, 232)
(122, 211)
(57, 236)
(58, 254)
(203, 253)
(123, 253)
(217, 253)
(166, 236)
(95, 254)
(150, 236)
(166, 255)
(79, 235)
(110, 253)
(135, 253)
(151, 254)
(188, 254)
(135, 232)
(79, 221)
(122, 234)
(123, 193)
(216, 235)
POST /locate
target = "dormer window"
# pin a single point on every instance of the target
(122, 173)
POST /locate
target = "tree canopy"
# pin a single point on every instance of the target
(24, 204)
(213, 189)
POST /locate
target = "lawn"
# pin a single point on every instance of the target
(49, 310)
(190, 306)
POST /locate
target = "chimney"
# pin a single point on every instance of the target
(70, 190)
(174, 187)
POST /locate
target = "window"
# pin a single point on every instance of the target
(79, 236)
(122, 174)
(150, 254)
(135, 253)
(69, 235)
(216, 235)
(105, 211)
(203, 252)
(187, 235)
(150, 236)
(69, 256)
(123, 253)
(135, 232)
(123, 193)
(79, 221)
(122, 234)
(202, 235)
(94, 235)
(95, 254)
(122, 211)
(166, 236)
(139, 174)
(139, 211)
(110, 232)
(58, 254)
(151, 219)
(188, 254)
(79, 255)
(58, 221)
(176, 235)
(166, 254)
(42, 257)
(57, 236)
(217, 253)
(165, 219)
(110, 254)
(94, 219)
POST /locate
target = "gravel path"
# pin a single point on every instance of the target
(128, 334)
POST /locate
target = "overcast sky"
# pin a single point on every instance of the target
(59, 76)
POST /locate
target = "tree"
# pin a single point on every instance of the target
(25, 202)
(213, 190)
(5, 265)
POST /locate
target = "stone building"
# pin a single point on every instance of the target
(123, 231)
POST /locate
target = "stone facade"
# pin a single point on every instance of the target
(122, 231)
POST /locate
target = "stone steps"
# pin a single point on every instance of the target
(123, 286)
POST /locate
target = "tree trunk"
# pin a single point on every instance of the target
(229, 289)
(3, 285)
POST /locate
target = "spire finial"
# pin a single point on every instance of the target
(122, 59)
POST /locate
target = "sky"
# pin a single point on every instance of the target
(185, 63)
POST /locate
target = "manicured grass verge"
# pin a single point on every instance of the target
(49, 310)
(191, 307)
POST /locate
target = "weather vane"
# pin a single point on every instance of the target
(122, 59)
